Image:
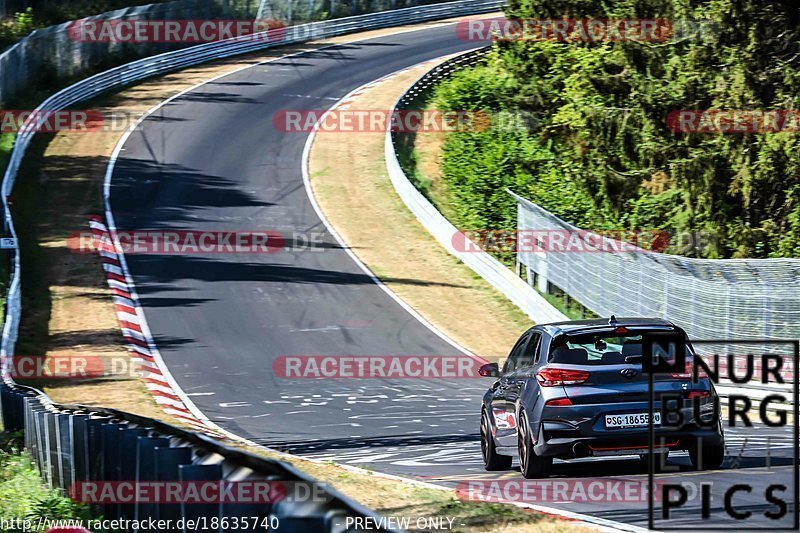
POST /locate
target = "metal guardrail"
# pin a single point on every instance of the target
(74, 443)
(483, 264)
(88, 448)
(56, 55)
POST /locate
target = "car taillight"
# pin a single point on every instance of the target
(558, 402)
(698, 394)
(551, 377)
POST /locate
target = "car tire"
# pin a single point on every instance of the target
(707, 456)
(492, 460)
(531, 465)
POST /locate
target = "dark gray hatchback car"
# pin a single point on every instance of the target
(576, 389)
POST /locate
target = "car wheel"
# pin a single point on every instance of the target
(491, 459)
(707, 456)
(531, 465)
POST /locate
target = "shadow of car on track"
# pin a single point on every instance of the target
(301, 447)
(153, 268)
(594, 467)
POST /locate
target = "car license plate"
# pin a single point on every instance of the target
(631, 420)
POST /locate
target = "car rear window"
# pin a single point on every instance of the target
(597, 349)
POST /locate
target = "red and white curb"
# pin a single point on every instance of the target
(131, 321)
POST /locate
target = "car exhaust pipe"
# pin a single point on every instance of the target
(579, 449)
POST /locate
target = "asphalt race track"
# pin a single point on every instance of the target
(212, 160)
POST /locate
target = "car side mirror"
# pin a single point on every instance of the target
(489, 370)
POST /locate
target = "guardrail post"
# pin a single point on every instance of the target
(192, 473)
(167, 461)
(301, 510)
(261, 511)
(40, 429)
(30, 426)
(66, 450)
(129, 439)
(146, 470)
(51, 424)
(15, 401)
(110, 437)
(94, 442)
(12, 408)
(336, 521)
(80, 446)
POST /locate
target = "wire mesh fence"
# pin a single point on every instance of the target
(710, 298)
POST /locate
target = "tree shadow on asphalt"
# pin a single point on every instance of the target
(141, 193)
(167, 269)
(52, 201)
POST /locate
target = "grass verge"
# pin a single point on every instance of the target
(6, 144)
(23, 494)
(390, 497)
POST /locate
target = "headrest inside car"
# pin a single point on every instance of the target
(570, 356)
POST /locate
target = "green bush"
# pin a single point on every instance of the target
(22, 492)
(599, 152)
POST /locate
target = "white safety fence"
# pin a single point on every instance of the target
(728, 300)
(745, 299)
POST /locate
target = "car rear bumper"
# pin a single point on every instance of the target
(627, 444)
(582, 432)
